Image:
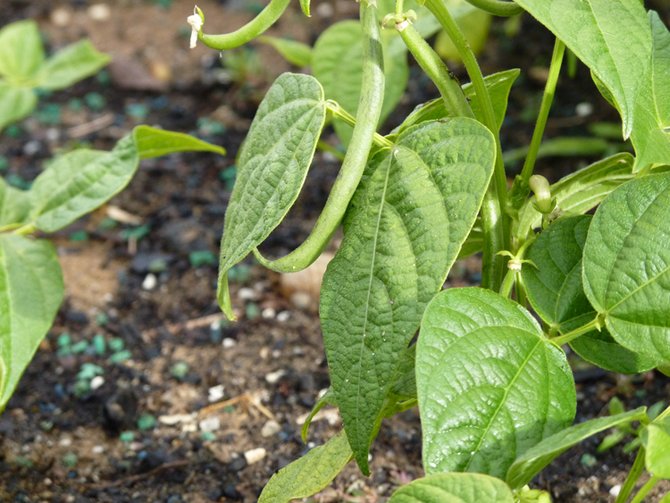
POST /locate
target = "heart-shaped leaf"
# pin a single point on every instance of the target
(490, 385)
(21, 51)
(15, 103)
(627, 264)
(71, 64)
(554, 286)
(271, 169)
(454, 488)
(404, 228)
(536, 458)
(31, 290)
(14, 205)
(153, 142)
(309, 474)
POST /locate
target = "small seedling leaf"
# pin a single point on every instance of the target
(481, 361)
(70, 65)
(454, 488)
(21, 51)
(15, 103)
(153, 142)
(656, 441)
(294, 52)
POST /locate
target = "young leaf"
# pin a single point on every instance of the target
(533, 461)
(14, 205)
(80, 181)
(341, 46)
(309, 474)
(296, 53)
(555, 291)
(304, 5)
(490, 385)
(403, 230)
(627, 264)
(153, 142)
(15, 103)
(31, 289)
(272, 167)
(71, 64)
(454, 488)
(21, 51)
(656, 441)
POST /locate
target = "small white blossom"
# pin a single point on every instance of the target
(195, 21)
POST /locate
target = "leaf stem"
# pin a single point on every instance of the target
(336, 109)
(25, 230)
(634, 474)
(10, 227)
(545, 107)
(592, 325)
(645, 489)
(257, 26)
(494, 221)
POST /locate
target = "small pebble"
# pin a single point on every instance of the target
(270, 428)
(60, 17)
(273, 377)
(615, 490)
(246, 294)
(268, 313)
(229, 343)
(97, 382)
(99, 12)
(174, 419)
(255, 455)
(215, 393)
(283, 316)
(584, 109)
(150, 282)
(210, 424)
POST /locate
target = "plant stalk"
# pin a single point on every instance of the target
(339, 112)
(645, 489)
(577, 332)
(634, 474)
(494, 221)
(497, 7)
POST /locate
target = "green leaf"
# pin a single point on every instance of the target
(15, 103)
(656, 441)
(475, 26)
(627, 264)
(304, 5)
(454, 488)
(535, 459)
(80, 181)
(403, 230)
(490, 384)
(296, 53)
(309, 474)
(14, 205)
(70, 65)
(153, 142)
(31, 290)
(272, 167)
(581, 191)
(555, 291)
(611, 38)
(341, 47)
(21, 51)
(499, 86)
(566, 146)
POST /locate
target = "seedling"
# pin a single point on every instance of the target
(488, 370)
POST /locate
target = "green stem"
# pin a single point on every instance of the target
(498, 7)
(577, 332)
(508, 283)
(339, 112)
(399, 7)
(645, 489)
(25, 230)
(10, 227)
(494, 221)
(633, 475)
(326, 147)
(547, 100)
(257, 26)
(455, 102)
(355, 160)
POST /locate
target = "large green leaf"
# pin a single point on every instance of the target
(499, 86)
(337, 64)
(21, 51)
(611, 37)
(71, 64)
(539, 456)
(554, 287)
(403, 230)
(490, 385)
(14, 205)
(31, 289)
(627, 264)
(272, 167)
(309, 474)
(454, 488)
(656, 440)
(15, 103)
(78, 182)
(580, 192)
(153, 142)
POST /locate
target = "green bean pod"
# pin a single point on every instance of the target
(497, 7)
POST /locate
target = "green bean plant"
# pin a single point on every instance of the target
(488, 369)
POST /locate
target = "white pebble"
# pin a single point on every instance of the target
(171, 420)
(96, 382)
(255, 455)
(270, 428)
(99, 12)
(229, 343)
(273, 377)
(98, 449)
(150, 282)
(246, 294)
(268, 313)
(584, 109)
(283, 316)
(215, 393)
(210, 424)
(615, 490)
